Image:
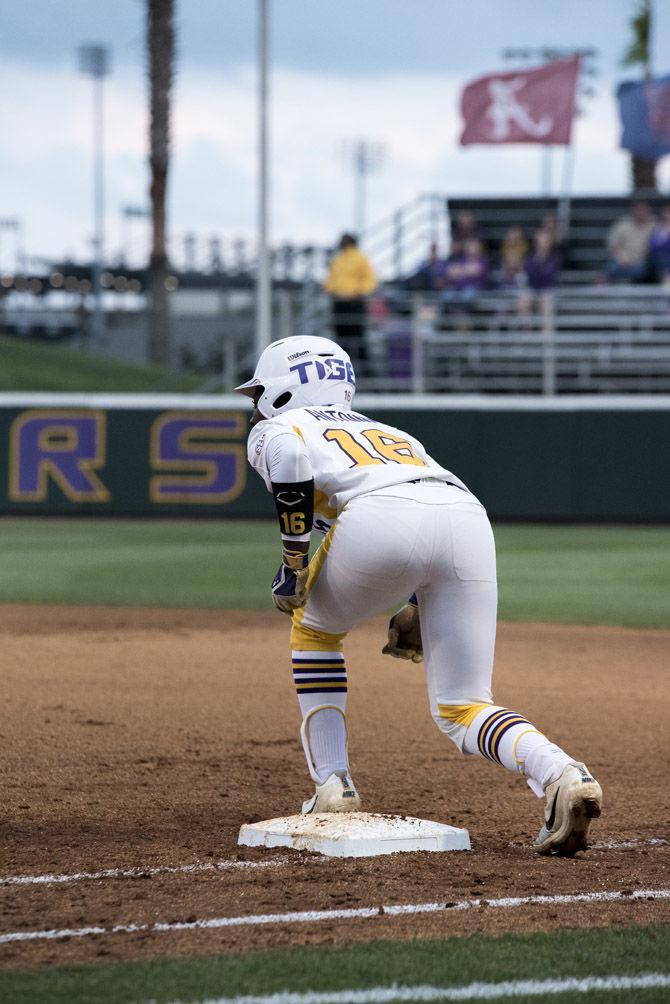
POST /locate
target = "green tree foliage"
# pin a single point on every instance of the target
(638, 53)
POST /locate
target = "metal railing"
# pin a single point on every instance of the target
(607, 340)
(611, 340)
(595, 340)
(399, 243)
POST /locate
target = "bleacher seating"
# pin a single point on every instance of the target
(609, 339)
(589, 219)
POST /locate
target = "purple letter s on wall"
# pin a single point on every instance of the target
(206, 468)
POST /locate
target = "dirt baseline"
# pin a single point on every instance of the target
(145, 738)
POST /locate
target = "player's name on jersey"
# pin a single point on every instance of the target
(329, 414)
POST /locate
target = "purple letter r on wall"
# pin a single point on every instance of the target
(67, 446)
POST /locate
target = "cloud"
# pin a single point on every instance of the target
(45, 172)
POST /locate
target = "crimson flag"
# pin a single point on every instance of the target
(529, 106)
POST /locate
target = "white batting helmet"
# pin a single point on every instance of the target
(301, 371)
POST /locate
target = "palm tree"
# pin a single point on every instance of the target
(638, 53)
(160, 39)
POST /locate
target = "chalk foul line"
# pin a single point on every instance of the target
(233, 865)
(469, 992)
(614, 845)
(351, 913)
(138, 873)
(627, 845)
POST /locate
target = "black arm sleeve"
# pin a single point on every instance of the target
(295, 507)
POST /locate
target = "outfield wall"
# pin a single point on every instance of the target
(580, 458)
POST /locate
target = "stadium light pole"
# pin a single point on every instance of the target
(14, 224)
(94, 62)
(365, 156)
(263, 285)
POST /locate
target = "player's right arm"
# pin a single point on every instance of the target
(282, 459)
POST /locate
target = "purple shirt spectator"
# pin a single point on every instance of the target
(659, 247)
(543, 265)
(463, 229)
(467, 270)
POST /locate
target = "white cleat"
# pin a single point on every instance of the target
(336, 794)
(572, 802)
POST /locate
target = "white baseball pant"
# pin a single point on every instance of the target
(426, 537)
(433, 539)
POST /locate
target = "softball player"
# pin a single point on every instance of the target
(396, 524)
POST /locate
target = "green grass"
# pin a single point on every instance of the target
(38, 366)
(455, 962)
(585, 574)
(571, 574)
(138, 562)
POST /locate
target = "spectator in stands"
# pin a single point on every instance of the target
(463, 228)
(628, 245)
(351, 279)
(542, 268)
(431, 274)
(659, 248)
(512, 256)
(551, 226)
(466, 274)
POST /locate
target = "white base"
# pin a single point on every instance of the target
(354, 834)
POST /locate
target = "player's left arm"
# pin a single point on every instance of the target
(292, 483)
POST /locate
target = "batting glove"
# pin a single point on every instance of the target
(404, 635)
(289, 587)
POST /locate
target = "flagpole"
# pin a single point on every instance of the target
(545, 169)
(586, 68)
(565, 205)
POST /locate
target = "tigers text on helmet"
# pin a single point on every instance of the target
(299, 372)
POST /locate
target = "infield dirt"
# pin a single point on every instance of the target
(138, 738)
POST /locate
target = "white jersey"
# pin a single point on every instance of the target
(349, 454)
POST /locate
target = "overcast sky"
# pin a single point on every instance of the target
(388, 70)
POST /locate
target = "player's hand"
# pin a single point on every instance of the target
(404, 635)
(289, 587)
